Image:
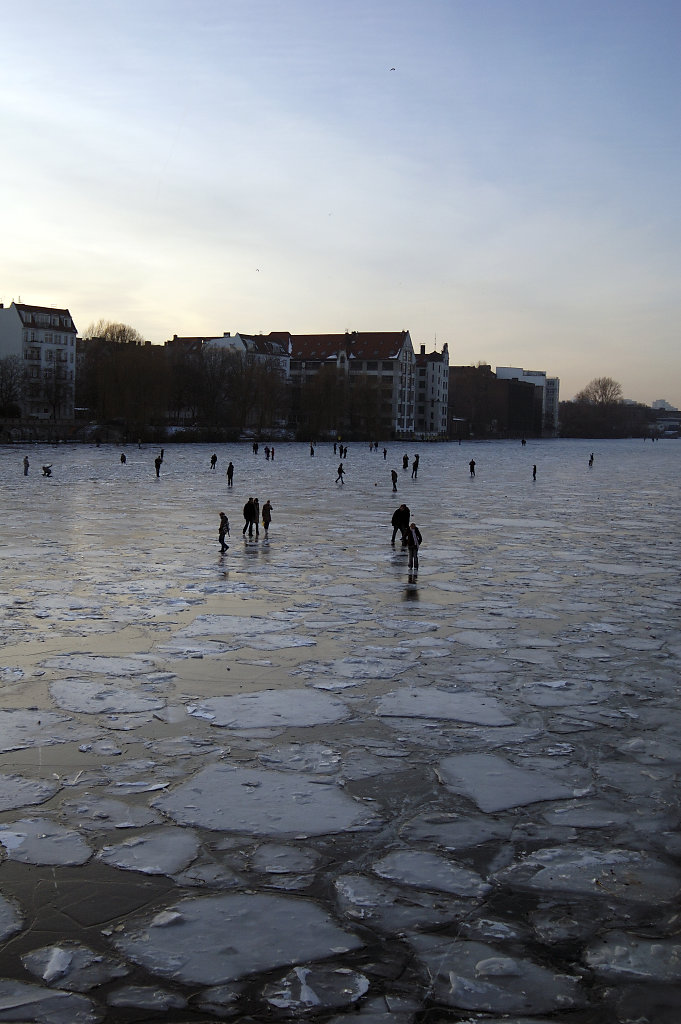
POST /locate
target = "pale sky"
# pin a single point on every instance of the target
(511, 188)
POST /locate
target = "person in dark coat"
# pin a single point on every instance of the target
(414, 539)
(249, 512)
(400, 521)
(267, 515)
(223, 531)
(230, 474)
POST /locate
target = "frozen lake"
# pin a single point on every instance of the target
(297, 779)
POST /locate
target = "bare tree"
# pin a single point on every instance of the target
(120, 334)
(11, 385)
(601, 391)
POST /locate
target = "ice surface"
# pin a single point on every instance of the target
(495, 784)
(424, 870)
(11, 918)
(452, 705)
(625, 874)
(316, 988)
(622, 957)
(18, 791)
(40, 841)
(393, 909)
(24, 1002)
(92, 698)
(474, 976)
(163, 852)
(73, 967)
(219, 939)
(271, 708)
(368, 743)
(264, 802)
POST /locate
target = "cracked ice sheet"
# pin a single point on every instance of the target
(73, 967)
(20, 729)
(271, 708)
(442, 705)
(622, 874)
(497, 785)
(163, 852)
(82, 663)
(24, 1002)
(40, 841)
(619, 956)
(264, 802)
(93, 698)
(18, 791)
(213, 940)
(420, 869)
(474, 976)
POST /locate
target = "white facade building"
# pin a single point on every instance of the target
(432, 392)
(45, 340)
(550, 387)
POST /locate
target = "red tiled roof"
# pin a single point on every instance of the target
(41, 309)
(358, 345)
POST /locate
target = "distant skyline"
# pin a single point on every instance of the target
(499, 175)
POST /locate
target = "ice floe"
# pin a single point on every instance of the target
(214, 940)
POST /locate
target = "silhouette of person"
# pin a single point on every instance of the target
(414, 538)
(267, 515)
(223, 531)
(471, 466)
(340, 473)
(400, 521)
(123, 458)
(213, 461)
(591, 459)
(47, 470)
(385, 454)
(534, 472)
(405, 461)
(415, 467)
(157, 463)
(393, 474)
(26, 465)
(230, 474)
(249, 512)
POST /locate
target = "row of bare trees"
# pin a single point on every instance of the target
(599, 411)
(121, 378)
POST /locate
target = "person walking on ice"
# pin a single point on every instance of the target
(223, 531)
(341, 471)
(267, 515)
(414, 539)
(471, 466)
(393, 474)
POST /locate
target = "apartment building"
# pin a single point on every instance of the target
(44, 339)
(432, 393)
(377, 366)
(550, 388)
